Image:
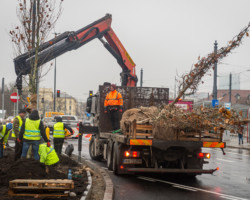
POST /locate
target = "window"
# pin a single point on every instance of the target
(64, 118)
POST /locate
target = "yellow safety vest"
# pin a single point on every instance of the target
(58, 132)
(6, 136)
(20, 125)
(32, 131)
(2, 132)
(48, 155)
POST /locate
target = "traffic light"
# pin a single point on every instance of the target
(91, 93)
(58, 93)
(25, 106)
(42, 100)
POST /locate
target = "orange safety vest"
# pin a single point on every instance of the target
(113, 98)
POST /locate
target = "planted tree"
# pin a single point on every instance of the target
(37, 18)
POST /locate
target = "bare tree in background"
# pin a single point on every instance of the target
(189, 82)
(37, 18)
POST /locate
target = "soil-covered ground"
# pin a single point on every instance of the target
(32, 169)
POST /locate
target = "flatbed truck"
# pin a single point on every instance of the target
(136, 150)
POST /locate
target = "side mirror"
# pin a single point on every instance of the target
(88, 109)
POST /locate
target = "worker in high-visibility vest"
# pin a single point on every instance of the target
(48, 155)
(59, 134)
(113, 104)
(4, 136)
(31, 132)
(17, 124)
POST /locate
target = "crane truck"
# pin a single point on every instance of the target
(136, 150)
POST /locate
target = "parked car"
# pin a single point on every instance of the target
(88, 122)
(70, 120)
(10, 119)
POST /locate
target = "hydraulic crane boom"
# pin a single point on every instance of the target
(73, 40)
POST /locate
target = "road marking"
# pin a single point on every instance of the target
(147, 179)
(192, 188)
(224, 160)
(225, 197)
(185, 188)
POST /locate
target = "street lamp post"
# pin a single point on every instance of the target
(55, 81)
(215, 73)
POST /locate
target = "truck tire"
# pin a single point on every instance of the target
(110, 156)
(91, 149)
(118, 149)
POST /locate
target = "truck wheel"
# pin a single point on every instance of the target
(110, 156)
(92, 149)
(117, 157)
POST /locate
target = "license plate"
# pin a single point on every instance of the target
(132, 161)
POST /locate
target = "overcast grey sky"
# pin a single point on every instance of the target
(162, 37)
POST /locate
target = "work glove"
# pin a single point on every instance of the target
(18, 140)
(48, 144)
(120, 110)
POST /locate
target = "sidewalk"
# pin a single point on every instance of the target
(233, 142)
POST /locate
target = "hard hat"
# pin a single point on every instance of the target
(9, 126)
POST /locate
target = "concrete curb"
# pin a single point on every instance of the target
(109, 187)
(235, 147)
(86, 194)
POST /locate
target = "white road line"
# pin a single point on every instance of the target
(225, 160)
(146, 179)
(225, 197)
(198, 189)
(185, 188)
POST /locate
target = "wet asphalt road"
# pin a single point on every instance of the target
(232, 181)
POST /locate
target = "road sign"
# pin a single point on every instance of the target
(227, 105)
(215, 103)
(14, 97)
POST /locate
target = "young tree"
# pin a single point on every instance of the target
(37, 18)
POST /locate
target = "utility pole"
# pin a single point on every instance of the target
(3, 97)
(65, 104)
(17, 101)
(215, 72)
(141, 77)
(174, 87)
(55, 87)
(230, 87)
(55, 81)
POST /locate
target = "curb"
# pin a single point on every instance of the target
(235, 147)
(109, 187)
(86, 194)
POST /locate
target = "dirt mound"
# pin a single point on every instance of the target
(32, 169)
(65, 160)
(29, 169)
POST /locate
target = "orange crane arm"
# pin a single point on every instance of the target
(73, 40)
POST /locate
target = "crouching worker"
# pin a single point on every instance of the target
(47, 154)
(4, 135)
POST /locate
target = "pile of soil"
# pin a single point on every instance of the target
(32, 169)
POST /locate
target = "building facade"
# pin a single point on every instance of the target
(65, 103)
